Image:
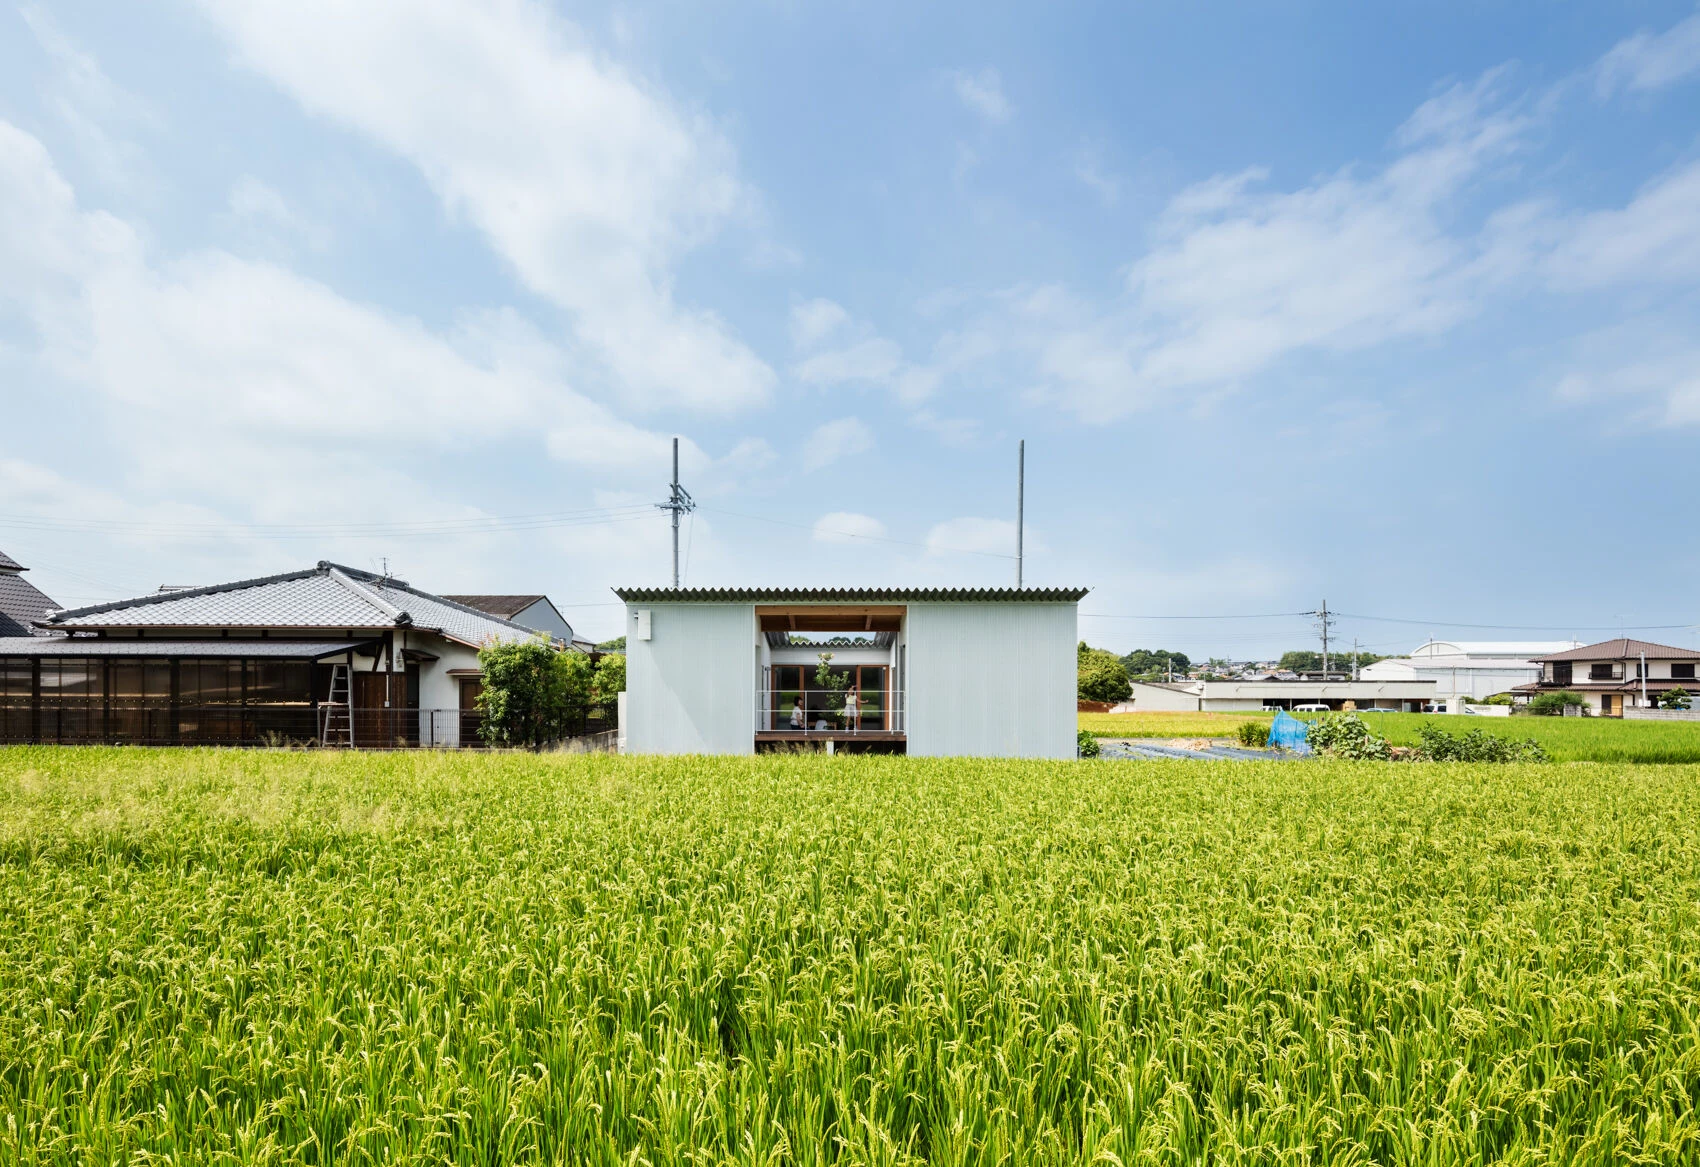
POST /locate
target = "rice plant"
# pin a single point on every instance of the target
(270, 957)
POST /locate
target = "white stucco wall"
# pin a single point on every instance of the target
(991, 680)
(691, 687)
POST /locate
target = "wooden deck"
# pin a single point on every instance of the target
(829, 735)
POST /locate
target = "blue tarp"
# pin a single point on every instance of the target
(1288, 732)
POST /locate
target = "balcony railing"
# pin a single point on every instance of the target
(818, 712)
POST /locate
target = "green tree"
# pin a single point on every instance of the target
(1303, 660)
(1155, 664)
(618, 644)
(834, 682)
(1552, 704)
(533, 693)
(608, 682)
(1676, 698)
(1102, 677)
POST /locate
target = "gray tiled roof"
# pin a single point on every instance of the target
(128, 646)
(7, 563)
(846, 595)
(326, 596)
(21, 604)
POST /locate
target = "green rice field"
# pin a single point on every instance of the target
(1567, 739)
(274, 957)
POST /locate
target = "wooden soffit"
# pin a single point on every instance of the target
(829, 618)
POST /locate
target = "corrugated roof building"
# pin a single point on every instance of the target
(925, 671)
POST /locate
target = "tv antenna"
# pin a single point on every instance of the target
(679, 502)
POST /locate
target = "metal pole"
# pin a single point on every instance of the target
(675, 500)
(1020, 505)
(1643, 680)
(1325, 640)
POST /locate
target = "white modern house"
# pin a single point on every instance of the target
(922, 671)
(1468, 668)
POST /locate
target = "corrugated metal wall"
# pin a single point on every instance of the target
(992, 680)
(692, 686)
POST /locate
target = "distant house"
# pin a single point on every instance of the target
(1615, 674)
(1270, 693)
(21, 602)
(330, 654)
(533, 611)
(923, 671)
(1468, 668)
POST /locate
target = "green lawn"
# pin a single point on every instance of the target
(1567, 739)
(268, 957)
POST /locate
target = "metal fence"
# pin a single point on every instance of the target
(818, 711)
(118, 723)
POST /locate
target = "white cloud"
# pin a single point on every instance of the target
(590, 183)
(1648, 61)
(1656, 236)
(972, 536)
(874, 360)
(1650, 366)
(97, 112)
(279, 383)
(814, 320)
(1089, 168)
(834, 440)
(847, 527)
(258, 209)
(982, 92)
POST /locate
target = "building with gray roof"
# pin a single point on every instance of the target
(330, 654)
(21, 602)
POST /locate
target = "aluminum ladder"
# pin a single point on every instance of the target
(337, 717)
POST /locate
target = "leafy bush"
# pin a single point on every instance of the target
(1344, 735)
(1102, 675)
(1676, 698)
(1088, 744)
(608, 682)
(533, 693)
(1496, 699)
(1252, 733)
(1477, 746)
(1552, 704)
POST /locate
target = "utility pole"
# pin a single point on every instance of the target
(1020, 505)
(1325, 622)
(679, 502)
(1354, 658)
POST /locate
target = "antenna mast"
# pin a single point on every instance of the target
(679, 502)
(1020, 505)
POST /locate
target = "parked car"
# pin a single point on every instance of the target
(1311, 707)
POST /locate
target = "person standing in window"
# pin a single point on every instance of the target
(851, 713)
(797, 714)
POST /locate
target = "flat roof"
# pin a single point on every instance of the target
(849, 595)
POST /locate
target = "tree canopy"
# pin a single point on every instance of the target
(1102, 676)
(1155, 664)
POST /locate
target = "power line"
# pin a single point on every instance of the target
(1516, 627)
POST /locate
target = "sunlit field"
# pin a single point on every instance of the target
(268, 957)
(1567, 739)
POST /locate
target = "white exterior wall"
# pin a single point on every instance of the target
(691, 687)
(439, 693)
(1157, 699)
(991, 679)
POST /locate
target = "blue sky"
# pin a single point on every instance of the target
(1392, 305)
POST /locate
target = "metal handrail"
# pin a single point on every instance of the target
(774, 709)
